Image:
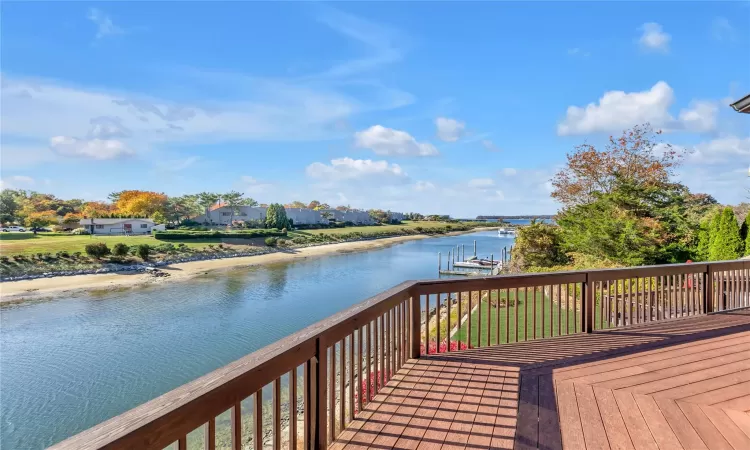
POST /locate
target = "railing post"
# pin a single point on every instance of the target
(415, 313)
(588, 304)
(708, 289)
(319, 394)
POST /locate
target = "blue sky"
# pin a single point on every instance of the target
(437, 107)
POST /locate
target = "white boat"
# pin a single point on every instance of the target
(505, 231)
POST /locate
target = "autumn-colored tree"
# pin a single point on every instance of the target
(634, 157)
(38, 219)
(71, 218)
(322, 206)
(96, 209)
(343, 208)
(313, 204)
(140, 203)
(296, 204)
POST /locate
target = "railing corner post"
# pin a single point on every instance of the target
(588, 304)
(708, 289)
(415, 313)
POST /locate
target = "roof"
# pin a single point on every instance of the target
(742, 105)
(112, 221)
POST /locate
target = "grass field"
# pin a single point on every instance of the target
(28, 243)
(544, 308)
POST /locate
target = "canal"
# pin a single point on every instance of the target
(72, 362)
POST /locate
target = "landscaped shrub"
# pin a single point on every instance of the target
(271, 241)
(76, 255)
(97, 249)
(143, 251)
(120, 249)
(242, 234)
(80, 231)
(4, 259)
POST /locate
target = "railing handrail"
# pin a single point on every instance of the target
(163, 420)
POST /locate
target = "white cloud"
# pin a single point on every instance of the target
(16, 182)
(100, 149)
(654, 38)
(729, 149)
(251, 185)
(481, 183)
(424, 186)
(177, 165)
(618, 110)
(104, 24)
(489, 145)
(509, 171)
(722, 30)
(578, 52)
(387, 141)
(699, 117)
(349, 169)
(449, 130)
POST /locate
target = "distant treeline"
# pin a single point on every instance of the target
(514, 217)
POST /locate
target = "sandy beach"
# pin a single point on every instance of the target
(41, 288)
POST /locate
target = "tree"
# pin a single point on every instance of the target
(8, 205)
(206, 200)
(120, 249)
(182, 208)
(159, 218)
(634, 157)
(726, 245)
(143, 251)
(296, 204)
(704, 235)
(313, 204)
(140, 203)
(96, 209)
(276, 216)
(41, 219)
(234, 200)
(747, 237)
(343, 208)
(72, 218)
(322, 206)
(379, 216)
(538, 245)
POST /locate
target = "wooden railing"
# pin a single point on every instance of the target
(320, 378)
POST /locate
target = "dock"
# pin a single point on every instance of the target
(459, 264)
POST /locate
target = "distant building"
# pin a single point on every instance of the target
(222, 215)
(119, 226)
(354, 216)
(742, 105)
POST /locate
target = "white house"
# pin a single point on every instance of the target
(119, 226)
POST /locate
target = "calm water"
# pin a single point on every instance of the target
(68, 364)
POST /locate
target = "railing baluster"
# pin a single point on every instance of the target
(368, 363)
(448, 321)
(507, 315)
(293, 408)
(277, 414)
(182, 443)
(308, 409)
(427, 324)
(469, 313)
(479, 319)
(381, 344)
(391, 342)
(258, 428)
(533, 313)
(489, 316)
(209, 434)
(437, 320)
(525, 313)
(342, 387)
(332, 393)
(497, 315)
(236, 423)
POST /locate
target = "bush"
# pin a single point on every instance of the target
(271, 241)
(76, 255)
(80, 231)
(97, 249)
(143, 251)
(4, 259)
(120, 249)
(243, 234)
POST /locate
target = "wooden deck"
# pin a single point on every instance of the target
(682, 384)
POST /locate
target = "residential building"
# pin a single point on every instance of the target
(742, 105)
(223, 215)
(119, 226)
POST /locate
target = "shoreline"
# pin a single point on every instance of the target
(12, 292)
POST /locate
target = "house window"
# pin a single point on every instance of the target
(242, 214)
(144, 225)
(99, 227)
(226, 214)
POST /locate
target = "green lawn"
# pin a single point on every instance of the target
(28, 243)
(544, 307)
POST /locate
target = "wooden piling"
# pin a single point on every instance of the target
(475, 248)
(440, 262)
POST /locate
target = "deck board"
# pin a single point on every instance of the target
(680, 384)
